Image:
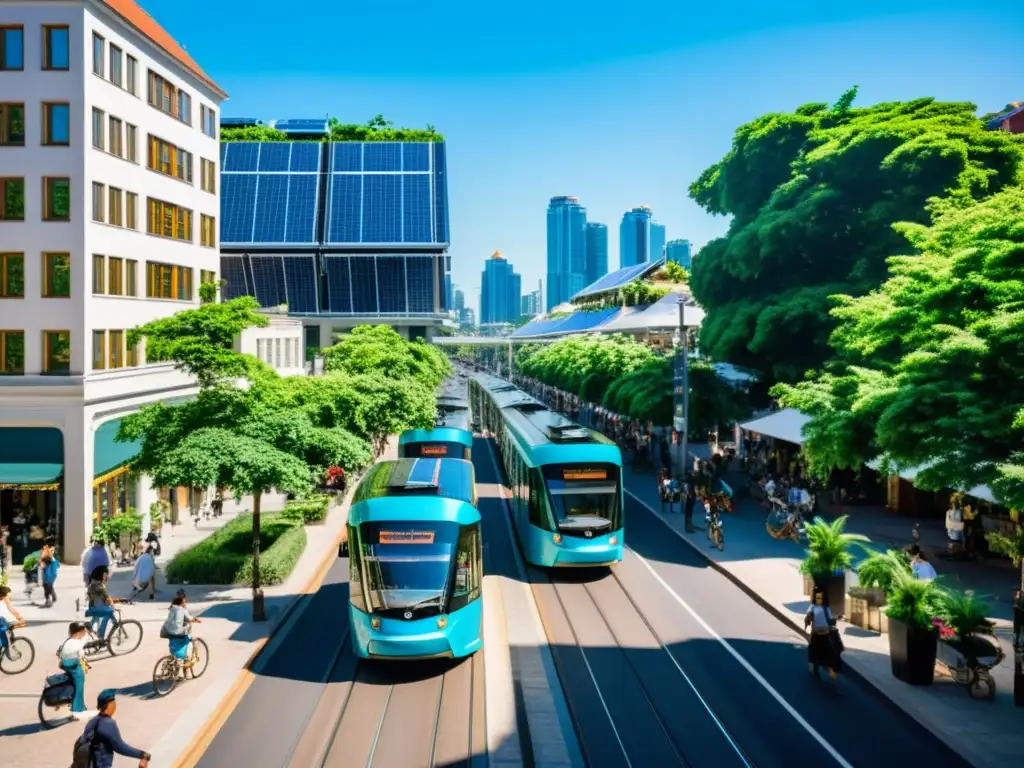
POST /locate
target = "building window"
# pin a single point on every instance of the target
(116, 57)
(132, 143)
(56, 275)
(169, 99)
(115, 131)
(131, 356)
(207, 231)
(12, 125)
(184, 107)
(97, 128)
(97, 201)
(116, 343)
(12, 204)
(208, 175)
(169, 220)
(209, 118)
(56, 199)
(12, 353)
(12, 48)
(132, 75)
(207, 276)
(97, 54)
(57, 352)
(56, 48)
(130, 269)
(56, 124)
(168, 281)
(99, 350)
(115, 208)
(12, 275)
(170, 160)
(115, 276)
(131, 206)
(99, 274)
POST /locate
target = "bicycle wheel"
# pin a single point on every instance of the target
(165, 675)
(200, 659)
(51, 717)
(18, 657)
(125, 637)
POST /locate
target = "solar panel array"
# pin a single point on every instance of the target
(378, 194)
(577, 322)
(619, 278)
(272, 280)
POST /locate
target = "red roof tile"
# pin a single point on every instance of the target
(133, 13)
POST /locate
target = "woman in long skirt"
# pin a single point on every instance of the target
(824, 648)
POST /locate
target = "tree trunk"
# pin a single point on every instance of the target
(258, 609)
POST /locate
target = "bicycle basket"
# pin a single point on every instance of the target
(59, 689)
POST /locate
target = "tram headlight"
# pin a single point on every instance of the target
(557, 538)
(613, 540)
(442, 622)
(375, 623)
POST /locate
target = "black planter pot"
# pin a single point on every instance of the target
(912, 653)
(834, 587)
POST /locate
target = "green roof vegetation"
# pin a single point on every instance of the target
(377, 129)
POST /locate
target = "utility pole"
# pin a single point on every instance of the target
(681, 387)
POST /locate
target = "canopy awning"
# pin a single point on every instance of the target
(31, 458)
(108, 454)
(982, 492)
(787, 424)
(662, 316)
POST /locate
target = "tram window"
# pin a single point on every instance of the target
(468, 567)
(355, 563)
(536, 511)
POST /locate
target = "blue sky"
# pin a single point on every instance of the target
(620, 109)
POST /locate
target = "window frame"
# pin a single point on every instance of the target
(131, 140)
(115, 206)
(131, 278)
(131, 70)
(115, 136)
(174, 276)
(207, 239)
(99, 129)
(115, 56)
(49, 185)
(99, 192)
(115, 276)
(99, 356)
(170, 160)
(4, 29)
(99, 54)
(208, 175)
(6, 124)
(131, 207)
(5, 259)
(47, 123)
(4, 181)
(47, 48)
(115, 345)
(48, 351)
(99, 275)
(48, 262)
(3, 352)
(181, 220)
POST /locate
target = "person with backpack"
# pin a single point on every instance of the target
(72, 660)
(101, 739)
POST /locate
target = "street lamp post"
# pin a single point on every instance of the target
(681, 387)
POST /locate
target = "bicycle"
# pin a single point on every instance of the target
(19, 654)
(172, 669)
(58, 692)
(715, 533)
(119, 639)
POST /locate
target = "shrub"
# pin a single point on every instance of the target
(312, 510)
(225, 557)
(278, 562)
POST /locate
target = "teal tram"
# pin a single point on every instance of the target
(566, 480)
(415, 561)
(450, 438)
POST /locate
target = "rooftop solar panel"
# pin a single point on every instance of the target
(305, 157)
(620, 277)
(274, 157)
(241, 157)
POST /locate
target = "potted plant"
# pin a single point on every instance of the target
(874, 577)
(1013, 547)
(829, 557)
(913, 637)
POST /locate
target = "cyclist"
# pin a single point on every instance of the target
(178, 627)
(101, 604)
(9, 617)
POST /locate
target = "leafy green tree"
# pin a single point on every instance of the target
(675, 272)
(388, 406)
(930, 364)
(217, 456)
(813, 196)
(379, 349)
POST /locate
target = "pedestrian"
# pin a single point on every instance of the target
(691, 500)
(825, 646)
(145, 573)
(92, 558)
(9, 617)
(922, 569)
(49, 565)
(101, 739)
(72, 660)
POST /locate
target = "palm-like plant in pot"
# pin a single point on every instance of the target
(829, 557)
(913, 636)
(875, 573)
(966, 614)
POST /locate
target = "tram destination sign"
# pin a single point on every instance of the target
(585, 473)
(435, 450)
(406, 537)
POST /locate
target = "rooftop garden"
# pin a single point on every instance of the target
(670, 278)
(377, 129)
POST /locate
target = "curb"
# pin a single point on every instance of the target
(848, 668)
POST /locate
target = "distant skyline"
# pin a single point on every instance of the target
(498, 91)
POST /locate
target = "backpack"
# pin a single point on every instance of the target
(82, 756)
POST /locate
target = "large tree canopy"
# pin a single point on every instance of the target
(813, 196)
(930, 366)
(379, 349)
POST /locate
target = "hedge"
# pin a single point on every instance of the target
(309, 511)
(225, 556)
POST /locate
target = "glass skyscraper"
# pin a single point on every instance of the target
(501, 291)
(567, 251)
(640, 238)
(680, 252)
(596, 251)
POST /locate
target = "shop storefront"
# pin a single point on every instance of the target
(114, 486)
(31, 485)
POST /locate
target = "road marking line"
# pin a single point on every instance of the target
(733, 652)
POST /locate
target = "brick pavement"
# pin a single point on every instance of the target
(989, 734)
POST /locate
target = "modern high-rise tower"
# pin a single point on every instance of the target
(640, 238)
(567, 255)
(681, 252)
(500, 291)
(596, 251)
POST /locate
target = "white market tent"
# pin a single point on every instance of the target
(982, 492)
(787, 424)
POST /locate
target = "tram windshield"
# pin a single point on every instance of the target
(407, 566)
(584, 497)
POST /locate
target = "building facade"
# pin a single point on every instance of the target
(567, 249)
(501, 291)
(596, 251)
(640, 238)
(531, 304)
(108, 221)
(341, 233)
(681, 252)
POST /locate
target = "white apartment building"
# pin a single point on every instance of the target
(108, 219)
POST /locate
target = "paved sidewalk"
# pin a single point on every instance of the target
(165, 726)
(989, 734)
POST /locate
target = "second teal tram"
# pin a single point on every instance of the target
(566, 480)
(415, 561)
(450, 438)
